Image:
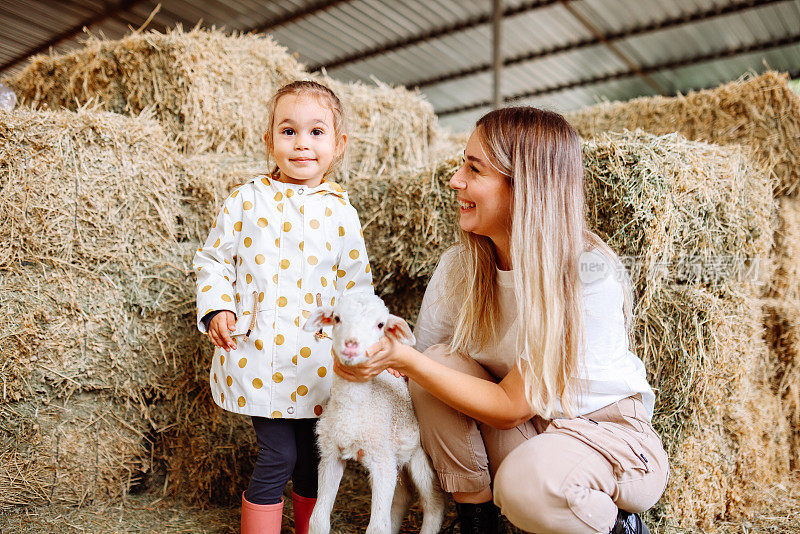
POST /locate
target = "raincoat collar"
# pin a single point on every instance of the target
(325, 187)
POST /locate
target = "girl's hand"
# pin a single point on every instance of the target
(220, 328)
(386, 354)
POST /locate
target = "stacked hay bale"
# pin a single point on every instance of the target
(658, 201)
(86, 280)
(761, 114)
(210, 92)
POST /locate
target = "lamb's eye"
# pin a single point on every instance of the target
(336, 319)
(380, 325)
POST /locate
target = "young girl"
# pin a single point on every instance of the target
(281, 245)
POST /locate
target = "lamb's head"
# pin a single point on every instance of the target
(358, 320)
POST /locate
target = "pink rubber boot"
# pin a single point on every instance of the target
(261, 518)
(303, 506)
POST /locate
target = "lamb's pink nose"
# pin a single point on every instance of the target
(350, 347)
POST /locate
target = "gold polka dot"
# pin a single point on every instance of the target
(247, 242)
(242, 363)
(259, 344)
(303, 210)
(314, 224)
(305, 352)
(275, 278)
(280, 208)
(257, 383)
(215, 378)
(328, 212)
(328, 245)
(294, 359)
(341, 230)
(340, 273)
(299, 283)
(222, 397)
(313, 260)
(262, 222)
(225, 210)
(249, 278)
(289, 193)
(226, 261)
(277, 378)
(276, 414)
(297, 321)
(260, 259)
(282, 301)
(323, 281)
(222, 359)
(279, 339)
(261, 297)
(309, 298)
(265, 181)
(368, 269)
(284, 263)
(342, 201)
(333, 301)
(293, 397)
(247, 205)
(278, 196)
(287, 226)
(322, 371)
(350, 284)
(354, 254)
(277, 241)
(233, 195)
(229, 381)
(226, 298)
(302, 244)
(317, 410)
(217, 242)
(335, 267)
(241, 402)
(238, 226)
(302, 390)
(238, 298)
(306, 313)
(206, 288)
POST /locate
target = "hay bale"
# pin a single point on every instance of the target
(90, 284)
(761, 113)
(84, 448)
(786, 283)
(210, 91)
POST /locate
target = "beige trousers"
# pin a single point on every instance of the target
(560, 475)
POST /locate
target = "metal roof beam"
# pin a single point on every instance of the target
(665, 24)
(110, 11)
(294, 16)
(431, 34)
(671, 65)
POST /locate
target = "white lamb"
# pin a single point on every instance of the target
(372, 422)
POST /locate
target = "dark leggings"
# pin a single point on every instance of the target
(287, 448)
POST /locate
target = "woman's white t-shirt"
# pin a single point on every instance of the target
(610, 371)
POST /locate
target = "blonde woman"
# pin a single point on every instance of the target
(526, 391)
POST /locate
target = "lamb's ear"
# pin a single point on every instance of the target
(398, 329)
(322, 316)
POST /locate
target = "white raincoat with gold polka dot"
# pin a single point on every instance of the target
(272, 249)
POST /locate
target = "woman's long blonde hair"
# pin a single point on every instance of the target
(541, 154)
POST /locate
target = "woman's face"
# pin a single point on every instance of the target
(484, 195)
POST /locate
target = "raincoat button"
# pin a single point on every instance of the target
(301, 191)
(290, 409)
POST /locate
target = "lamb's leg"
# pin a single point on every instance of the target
(383, 476)
(402, 496)
(331, 469)
(430, 493)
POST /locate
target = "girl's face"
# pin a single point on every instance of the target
(304, 139)
(484, 195)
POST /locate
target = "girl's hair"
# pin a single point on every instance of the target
(540, 153)
(324, 96)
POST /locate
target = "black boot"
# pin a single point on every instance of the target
(628, 523)
(483, 518)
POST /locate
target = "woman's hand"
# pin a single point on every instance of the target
(386, 354)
